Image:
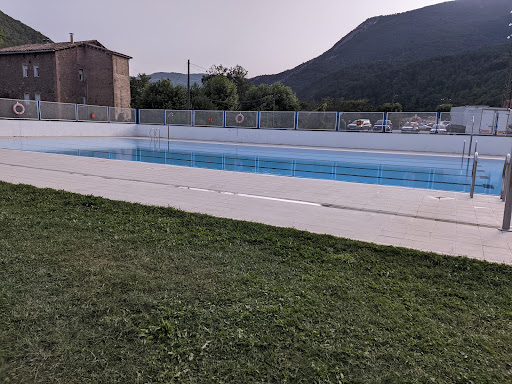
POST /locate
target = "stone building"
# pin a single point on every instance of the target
(82, 72)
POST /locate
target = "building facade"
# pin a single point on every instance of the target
(82, 72)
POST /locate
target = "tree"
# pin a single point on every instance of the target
(198, 99)
(163, 95)
(137, 86)
(275, 97)
(237, 75)
(444, 108)
(221, 92)
(390, 107)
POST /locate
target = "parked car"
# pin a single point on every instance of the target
(438, 130)
(442, 127)
(383, 126)
(360, 125)
(410, 127)
(426, 127)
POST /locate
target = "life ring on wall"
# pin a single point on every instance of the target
(93, 116)
(239, 118)
(20, 111)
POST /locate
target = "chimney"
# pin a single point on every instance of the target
(72, 37)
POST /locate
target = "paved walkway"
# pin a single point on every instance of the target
(438, 221)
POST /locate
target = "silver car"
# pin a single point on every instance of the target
(410, 127)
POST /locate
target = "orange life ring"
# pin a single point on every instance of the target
(239, 118)
(210, 119)
(93, 116)
(15, 108)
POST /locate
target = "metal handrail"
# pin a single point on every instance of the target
(505, 175)
(473, 175)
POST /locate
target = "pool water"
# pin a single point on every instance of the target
(416, 171)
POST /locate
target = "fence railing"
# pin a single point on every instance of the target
(49, 110)
(461, 120)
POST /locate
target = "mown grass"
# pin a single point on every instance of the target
(95, 291)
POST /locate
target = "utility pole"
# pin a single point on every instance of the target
(508, 91)
(188, 85)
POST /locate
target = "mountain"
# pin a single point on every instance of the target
(178, 78)
(439, 30)
(477, 77)
(14, 32)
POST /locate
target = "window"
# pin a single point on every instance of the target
(81, 74)
(36, 70)
(26, 96)
(38, 97)
(25, 70)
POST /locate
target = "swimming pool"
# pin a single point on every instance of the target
(416, 171)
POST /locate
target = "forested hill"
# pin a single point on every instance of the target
(438, 30)
(14, 32)
(178, 78)
(476, 78)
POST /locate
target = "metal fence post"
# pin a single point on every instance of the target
(296, 120)
(508, 199)
(258, 117)
(165, 116)
(337, 121)
(108, 113)
(38, 110)
(497, 120)
(193, 117)
(76, 112)
(384, 122)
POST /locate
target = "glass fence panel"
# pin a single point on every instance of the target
(416, 122)
(209, 118)
(18, 109)
(92, 113)
(122, 115)
(242, 119)
(461, 122)
(312, 121)
(57, 111)
(363, 122)
(152, 116)
(277, 120)
(175, 117)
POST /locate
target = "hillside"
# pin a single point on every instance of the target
(476, 77)
(178, 78)
(438, 30)
(14, 32)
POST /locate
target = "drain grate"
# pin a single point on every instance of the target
(488, 186)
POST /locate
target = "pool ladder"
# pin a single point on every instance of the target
(473, 175)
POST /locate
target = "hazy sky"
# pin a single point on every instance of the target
(264, 36)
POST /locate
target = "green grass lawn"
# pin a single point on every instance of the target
(98, 291)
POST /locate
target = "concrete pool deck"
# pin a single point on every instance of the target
(431, 220)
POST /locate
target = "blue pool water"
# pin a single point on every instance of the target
(416, 171)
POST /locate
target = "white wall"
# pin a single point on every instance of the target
(10, 128)
(487, 145)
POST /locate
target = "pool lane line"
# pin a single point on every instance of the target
(324, 205)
